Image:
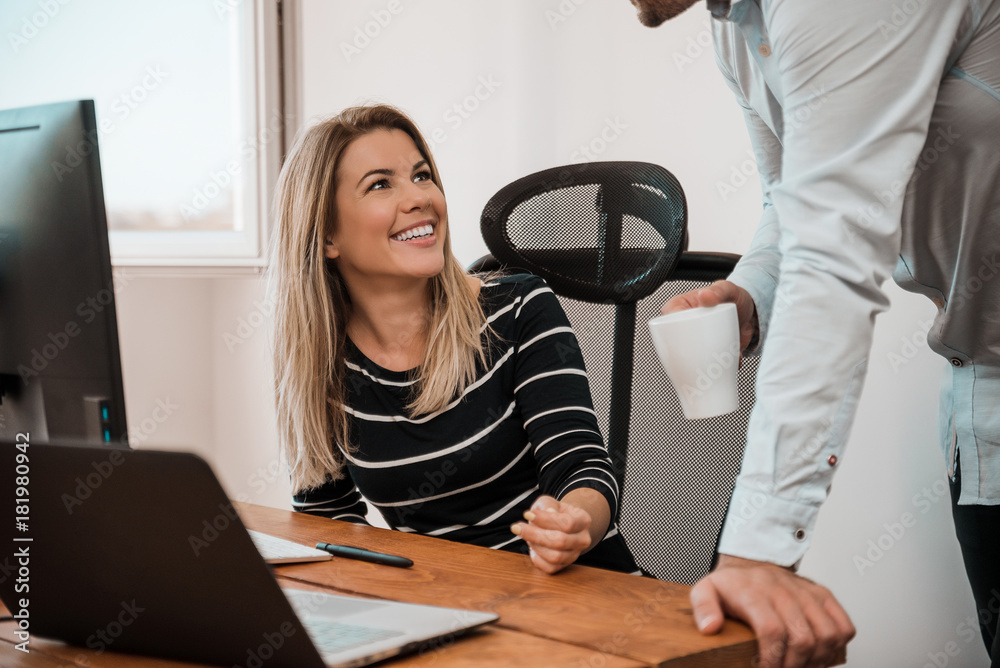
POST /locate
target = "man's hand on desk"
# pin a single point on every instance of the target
(797, 622)
(557, 533)
(721, 292)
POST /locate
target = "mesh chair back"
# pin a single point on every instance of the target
(679, 474)
(599, 232)
(607, 237)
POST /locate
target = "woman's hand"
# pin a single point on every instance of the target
(557, 533)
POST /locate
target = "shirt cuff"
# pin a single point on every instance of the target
(762, 289)
(767, 528)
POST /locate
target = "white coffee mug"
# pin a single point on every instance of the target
(700, 351)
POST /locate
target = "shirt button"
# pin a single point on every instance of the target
(938, 302)
(764, 50)
(832, 460)
(955, 361)
(800, 535)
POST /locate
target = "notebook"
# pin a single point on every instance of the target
(280, 551)
(140, 551)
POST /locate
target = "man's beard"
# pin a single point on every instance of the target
(654, 12)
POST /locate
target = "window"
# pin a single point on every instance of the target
(189, 125)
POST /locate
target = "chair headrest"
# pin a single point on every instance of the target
(598, 232)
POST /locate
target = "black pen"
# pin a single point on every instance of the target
(364, 555)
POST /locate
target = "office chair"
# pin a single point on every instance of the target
(610, 238)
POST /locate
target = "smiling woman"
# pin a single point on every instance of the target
(458, 405)
(393, 216)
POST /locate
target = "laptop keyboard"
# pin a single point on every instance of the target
(330, 636)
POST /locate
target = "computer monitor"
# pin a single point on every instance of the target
(60, 369)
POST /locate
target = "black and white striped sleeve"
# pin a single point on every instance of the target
(336, 499)
(553, 395)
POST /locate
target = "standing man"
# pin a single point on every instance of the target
(876, 129)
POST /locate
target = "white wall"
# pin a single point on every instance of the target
(553, 88)
(563, 71)
(556, 85)
(198, 376)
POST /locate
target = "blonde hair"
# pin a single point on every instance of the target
(312, 304)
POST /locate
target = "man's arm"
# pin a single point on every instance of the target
(856, 101)
(783, 609)
(757, 271)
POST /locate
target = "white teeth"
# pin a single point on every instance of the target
(422, 231)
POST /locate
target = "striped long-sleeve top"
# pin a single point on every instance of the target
(525, 427)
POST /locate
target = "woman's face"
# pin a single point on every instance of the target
(391, 217)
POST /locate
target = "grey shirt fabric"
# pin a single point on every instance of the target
(876, 129)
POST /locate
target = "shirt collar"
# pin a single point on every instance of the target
(727, 10)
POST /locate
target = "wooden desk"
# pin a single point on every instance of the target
(580, 618)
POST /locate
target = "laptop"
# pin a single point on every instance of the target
(139, 551)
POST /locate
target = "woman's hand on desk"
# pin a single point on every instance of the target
(556, 531)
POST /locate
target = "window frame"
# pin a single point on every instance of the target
(243, 249)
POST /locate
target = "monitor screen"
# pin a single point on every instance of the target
(60, 369)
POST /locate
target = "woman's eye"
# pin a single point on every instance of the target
(422, 176)
(381, 184)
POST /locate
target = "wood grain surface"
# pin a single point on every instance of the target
(613, 614)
